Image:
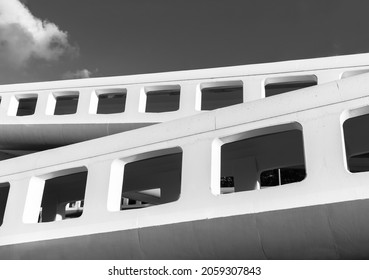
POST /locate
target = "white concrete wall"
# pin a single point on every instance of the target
(318, 110)
(253, 77)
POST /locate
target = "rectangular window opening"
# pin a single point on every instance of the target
(111, 102)
(26, 106)
(152, 181)
(262, 161)
(4, 192)
(275, 86)
(62, 197)
(356, 137)
(221, 96)
(66, 104)
(159, 101)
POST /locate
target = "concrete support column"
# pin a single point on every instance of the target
(84, 101)
(96, 195)
(60, 211)
(200, 171)
(15, 206)
(49, 209)
(245, 173)
(324, 148)
(133, 101)
(42, 103)
(253, 88)
(5, 103)
(189, 98)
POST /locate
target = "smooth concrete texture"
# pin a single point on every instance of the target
(41, 137)
(332, 231)
(188, 214)
(28, 110)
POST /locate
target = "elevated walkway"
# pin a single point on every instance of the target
(172, 170)
(39, 116)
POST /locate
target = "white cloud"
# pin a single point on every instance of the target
(23, 36)
(79, 74)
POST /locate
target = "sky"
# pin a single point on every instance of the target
(42, 40)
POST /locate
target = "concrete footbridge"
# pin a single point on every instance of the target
(237, 162)
(50, 114)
